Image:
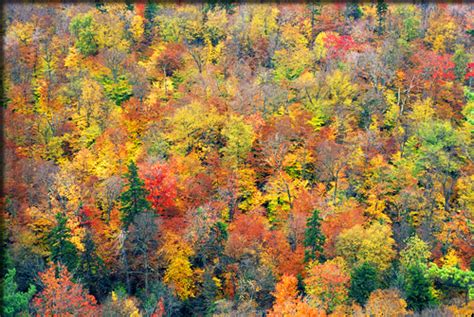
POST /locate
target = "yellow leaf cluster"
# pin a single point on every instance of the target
(137, 28)
(372, 244)
(441, 33)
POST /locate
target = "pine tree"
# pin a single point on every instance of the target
(133, 199)
(150, 12)
(314, 238)
(353, 10)
(381, 11)
(314, 7)
(204, 304)
(364, 280)
(418, 289)
(62, 249)
(91, 269)
(213, 247)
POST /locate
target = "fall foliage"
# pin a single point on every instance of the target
(61, 296)
(229, 158)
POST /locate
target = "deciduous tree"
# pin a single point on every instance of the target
(61, 296)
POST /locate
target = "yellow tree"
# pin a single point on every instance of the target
(371, 244)
(376, 188)
(109, 27)
(281, 191)
(179, 274)
(194, 128)
(239, 139)
(441, 32)
(137, 28)
(334, 101)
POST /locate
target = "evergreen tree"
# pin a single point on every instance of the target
(381, 11)
(364, 280)
(99, 4)
(151, 11)
(213, 247)
(227, 5)
(418, 289)
(314, 238)
(204, 304)
(15, 302)
(62, 249)
(129, 4)
(133, 199)
(91, 269)
(353, 10)
(314, 8)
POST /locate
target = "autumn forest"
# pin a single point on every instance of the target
(238, 159)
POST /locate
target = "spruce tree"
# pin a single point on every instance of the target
(91, 269)
(205, 304)
(382, 8)
(418, 289)
(62, 249)
(151, 11)
(314, 238)
(213, 247)
(353, 10)
(364, 280)
(133, 199)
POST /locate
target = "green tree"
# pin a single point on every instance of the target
(133, 199)
(204, 304)
(213, 247)
(314, 238)
(440, 156)
(418, 289)
(117, 89)
(314, 8)
(91, 269)
(63, 251)
(353, 10)
(83, 29)
(410, 22)
(451, 279)
(151, 10)
(150, 13)
(364, 280)
(15, 302)
(382, 8)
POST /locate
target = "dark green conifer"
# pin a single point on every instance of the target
(133, 199)
(314, 238)
(62, 249)
(364, 280)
